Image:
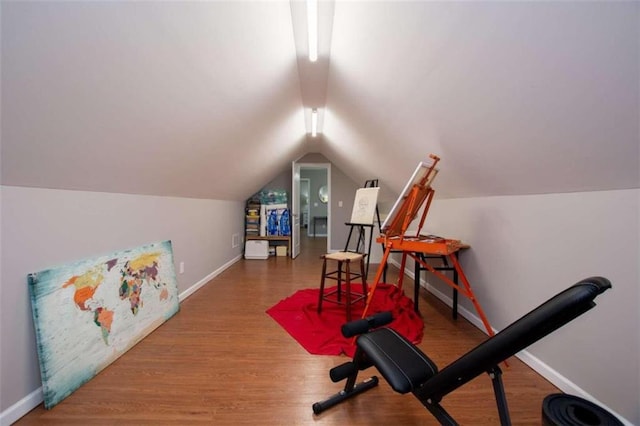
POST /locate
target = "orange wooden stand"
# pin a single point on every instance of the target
(417, 193)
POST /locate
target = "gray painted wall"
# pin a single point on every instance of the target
(42, 228)
(343, 189)
(525, 249)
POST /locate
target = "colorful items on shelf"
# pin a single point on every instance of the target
(285, 225)
(273, 196)
(272, 223)
(252, 218)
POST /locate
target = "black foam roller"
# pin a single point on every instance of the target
(559, 409)
(342, 371)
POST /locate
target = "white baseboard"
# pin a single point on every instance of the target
(188, 292)
(20, 408)
(564, 384)
(35, 398)
(540, 367)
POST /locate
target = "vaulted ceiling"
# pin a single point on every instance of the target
(212, 99)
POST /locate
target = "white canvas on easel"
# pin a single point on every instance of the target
(421, 172)
(364, 206)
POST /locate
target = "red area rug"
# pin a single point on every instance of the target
(320, 333)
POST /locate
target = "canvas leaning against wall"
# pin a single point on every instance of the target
(89, 313)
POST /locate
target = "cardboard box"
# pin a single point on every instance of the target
(281, 250)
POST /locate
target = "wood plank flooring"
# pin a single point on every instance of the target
(222, 360)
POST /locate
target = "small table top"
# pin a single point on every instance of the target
(428, 244)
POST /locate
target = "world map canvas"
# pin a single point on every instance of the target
(89, 313)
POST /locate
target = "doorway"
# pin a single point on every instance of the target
(319, 202)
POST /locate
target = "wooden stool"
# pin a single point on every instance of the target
(344, 258)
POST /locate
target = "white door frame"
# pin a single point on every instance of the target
(295, 210)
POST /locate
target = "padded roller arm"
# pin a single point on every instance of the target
(361, 326)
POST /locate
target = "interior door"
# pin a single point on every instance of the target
(295, 210)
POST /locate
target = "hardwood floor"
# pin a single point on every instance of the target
(223, 360)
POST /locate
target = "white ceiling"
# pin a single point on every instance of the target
(211, 99)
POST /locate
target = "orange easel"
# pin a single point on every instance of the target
(417, 193)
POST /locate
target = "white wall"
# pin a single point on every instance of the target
(525, 249)
(42, 228)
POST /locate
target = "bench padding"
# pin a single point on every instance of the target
(400, 362)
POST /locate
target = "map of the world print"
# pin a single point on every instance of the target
(89, 313)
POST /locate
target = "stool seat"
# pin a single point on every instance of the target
(344, 255)
(342, 274)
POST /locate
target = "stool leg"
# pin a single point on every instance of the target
(348, 293)
(324, 271)
(339, 294)
(365, 290)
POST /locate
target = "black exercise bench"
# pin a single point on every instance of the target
(407, 369)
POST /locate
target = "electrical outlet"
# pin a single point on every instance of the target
(235, 240)
(182, 267)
